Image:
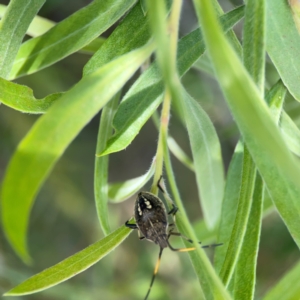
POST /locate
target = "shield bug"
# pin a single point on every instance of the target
(152, 223)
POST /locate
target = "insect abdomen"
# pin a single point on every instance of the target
(151, 218)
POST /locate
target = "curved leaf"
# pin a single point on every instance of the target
(14, 24)
(231, 217)
(120, 191)
(132, 33)
(251, 192)
(72, 265)
(175, 149)
(68, 36)
(207, 159)
(40, 25)
(145, 95)
(21, 98)
(101, 163)
(229, 205)
(51, 134)
(283, 44)
(180, 154)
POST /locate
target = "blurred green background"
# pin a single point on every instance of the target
(64, 220)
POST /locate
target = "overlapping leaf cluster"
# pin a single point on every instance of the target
(263, 163)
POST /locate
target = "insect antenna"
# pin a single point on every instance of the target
(155, 272)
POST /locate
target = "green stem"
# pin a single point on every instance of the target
(163, 131)
(173, 26)
(173, 29)
(210, 284)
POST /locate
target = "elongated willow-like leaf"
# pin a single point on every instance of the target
(254, 62)
(51, 134)
(132, 33)
(288, 288)
(229, 205)
(101, 163)
(40, 25)
(68, 36)
(14, 24)
(120, 191)
(146, 94)
(175, 149)
(283, 44)
(274, 98)
(241, 218)
(21, 98)
(180, 154)
(245, 272)
(207, 159)
(72, 265)
(278, 168)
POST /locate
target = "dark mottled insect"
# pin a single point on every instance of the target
(152, 223)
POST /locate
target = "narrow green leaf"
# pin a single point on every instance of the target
(229, 205)
(120, 191)
(132, 33)
(207, 159)
(175, 149)
(231, 36)
(72, 265)
(93, 46)
(51, 134)
(146, 94)
(101, 163)
(288, 288)
(14, 24)
(283, 42)
(245, 273)
(180, 154)
(246, 249)
(241, 218)
(254, 41)
(40, 25)
(68, 36)
(274, 98)
(263, 138)
(21, 98)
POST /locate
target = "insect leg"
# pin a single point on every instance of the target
(131, 226)
(174, 209)
(180, 249)
(189, 240)
(154, 272)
